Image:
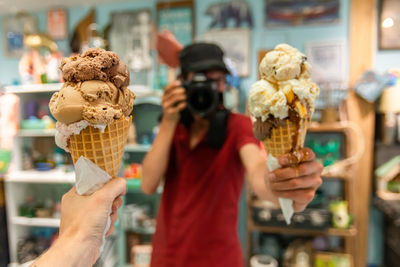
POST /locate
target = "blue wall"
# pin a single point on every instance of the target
(386, 59)
(261, 38)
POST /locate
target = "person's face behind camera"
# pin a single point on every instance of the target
(213, 74)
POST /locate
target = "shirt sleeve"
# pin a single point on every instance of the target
(244, 132)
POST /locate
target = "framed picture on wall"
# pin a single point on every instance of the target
(14, 29)
(57, 24)
(178, 18)
(130, 38)
(389, 26)
(301, 12)
(236, 45)
(328, 61)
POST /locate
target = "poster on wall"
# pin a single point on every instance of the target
(177, 17)
(130, 38)
(57, 24)
(389, 17)
(236, 45)
(234, 13)
(14, 29)
(301, 12)
(329, 71)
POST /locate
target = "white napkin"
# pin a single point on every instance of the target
(286, 204)
(89, 178)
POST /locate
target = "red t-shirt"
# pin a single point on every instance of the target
(198, 214)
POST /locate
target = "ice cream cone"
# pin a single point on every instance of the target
(285, 138)
(104, 149)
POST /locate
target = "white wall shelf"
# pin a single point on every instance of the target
(36, 133)
(36, 222)
(137, 148)
(33, 88)
(34, 176)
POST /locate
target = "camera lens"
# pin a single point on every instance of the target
(201, 99)
(202, 95)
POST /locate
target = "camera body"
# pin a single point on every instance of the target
(202, 95)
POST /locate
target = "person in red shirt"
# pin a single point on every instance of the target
(203, 160)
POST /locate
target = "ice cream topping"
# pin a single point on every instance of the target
(285, 90)
(95, 89)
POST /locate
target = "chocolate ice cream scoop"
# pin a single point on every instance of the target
(95, 64)
(95, 89)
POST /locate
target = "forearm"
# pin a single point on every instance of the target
(67, 252)
(256, 178)
(156, 160)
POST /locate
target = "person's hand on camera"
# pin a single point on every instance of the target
(173, 101)
(297, 179)
(83, 222)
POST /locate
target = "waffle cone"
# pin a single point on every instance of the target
(286, 138)
(104, 149)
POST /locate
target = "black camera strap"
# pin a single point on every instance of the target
(218, 128)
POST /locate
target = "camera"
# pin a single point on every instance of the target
(202, 95)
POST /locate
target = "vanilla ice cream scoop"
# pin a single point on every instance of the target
(285, 89)
(284, 63)
(265, 100)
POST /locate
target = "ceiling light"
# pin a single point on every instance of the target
(387, 23)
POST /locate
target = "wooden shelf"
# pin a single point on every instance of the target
(304, 232)
(48, 177)
(335, 177)
(316, 127)
(33, 88)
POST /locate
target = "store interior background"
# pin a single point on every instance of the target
(261, 38)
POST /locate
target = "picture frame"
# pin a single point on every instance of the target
(328, 60)
(14, 29)
(130, 38)
(389, 25)
(178, 17)
(236, 45)
(288, 13)
(57, 24)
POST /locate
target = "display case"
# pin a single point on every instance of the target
(337, 148)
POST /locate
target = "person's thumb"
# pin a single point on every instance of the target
(114, 188)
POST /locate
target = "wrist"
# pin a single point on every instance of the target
(168, 122)
(69, 251)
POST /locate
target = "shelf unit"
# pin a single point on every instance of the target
(137, 148)
(36, 222)
(37, 133)
(18, 181)
(349, 235)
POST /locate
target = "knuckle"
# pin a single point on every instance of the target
(320, 167)
(294, 183)
(310, 196)
(302, 169)
(319, 181)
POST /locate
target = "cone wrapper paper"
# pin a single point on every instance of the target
(286, 204)
(89, 179)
